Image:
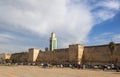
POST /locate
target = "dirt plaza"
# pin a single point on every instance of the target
(35, 71)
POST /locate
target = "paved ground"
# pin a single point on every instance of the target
(35, 71)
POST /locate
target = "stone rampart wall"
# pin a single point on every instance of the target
(19, 57)
(101, 54)
(56, 56)
(91, 54)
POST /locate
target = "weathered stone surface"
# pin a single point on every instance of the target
(75, 54)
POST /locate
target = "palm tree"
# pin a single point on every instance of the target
(112, 47)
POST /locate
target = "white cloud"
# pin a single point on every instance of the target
(105, 38)
(104, 15)
(113, 4)
(46, 16)
(70, 20)
(5, 38)
(106, 9)
(116, 37)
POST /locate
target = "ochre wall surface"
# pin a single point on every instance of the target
(5, 56)
(56, 56)
(74, 54)
(20, 57)
(101, 54)
(33, 54)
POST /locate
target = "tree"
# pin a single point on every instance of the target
(7, 60)
(2, 61)
(112, 47)
(15, 60)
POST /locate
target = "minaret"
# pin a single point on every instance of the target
(53, 42)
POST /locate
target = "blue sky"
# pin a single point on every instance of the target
(29, 23)
(106, 31)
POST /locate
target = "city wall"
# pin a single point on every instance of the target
(20, 57)
(101, 54)
(58, 56)
(74, 54)
(5, 56)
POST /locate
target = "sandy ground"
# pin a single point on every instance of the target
(35, 71)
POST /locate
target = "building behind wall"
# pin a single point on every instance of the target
(53, 42)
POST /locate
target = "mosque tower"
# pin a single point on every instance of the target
(53, 42)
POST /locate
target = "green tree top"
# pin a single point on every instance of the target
(112, 47)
